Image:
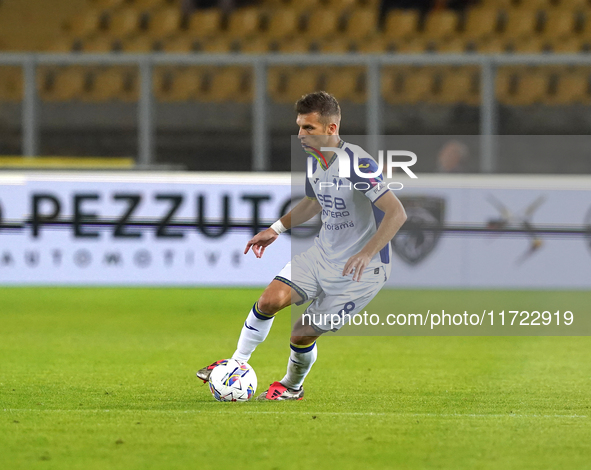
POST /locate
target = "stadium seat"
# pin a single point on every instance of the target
(413, 46)
(107, 84)
(282, 23)
(559, 24)
(346, 84)
(535, 4)
(530, 45)
(494, 45)
(179, 84)
(321, 23)
(295, 82)
(481, 23)
(569, 45)
(440, 24)
(401, 24)
(84, 23)
(455, 45)
(11, 84)
(65, 84)
(256, 45)
(499, 3)
(572, 88)
(218, 45)
(297, 45)
(505, 84)
(229, 84)
(304, 6)
(164, 23)
(362, 23)
(409, 85)
(532, 87)
(147, 4)
(375, 45)
(124, 22)
(574, 5)
(138, 44)
(459, 85)
(520, 23)
(179, 44)
(335, 45)
(244, 22)
(204, 23)
(62, 44)
(99, 44)
(341, 4)
(107, 3)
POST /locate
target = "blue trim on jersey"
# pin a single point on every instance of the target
(379, 216)
(371, 167)
(299, 290)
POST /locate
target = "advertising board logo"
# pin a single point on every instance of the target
(422, 229)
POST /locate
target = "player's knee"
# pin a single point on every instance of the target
(270, 303)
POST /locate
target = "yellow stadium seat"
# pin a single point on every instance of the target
(335, 45)
(499, 3)
(341, 4)
(520, 23)
(255, 45)
(164, 23)
(229, 84)
(362, 23)
(107, 3)
(66, 84)
(147, 4)
(138, 45)
(569, 45)
(416, 45)
(572, 88)
(179, 44)
(455, 45)
(535, 4)
(84, 23)
(375, 45)
(459, 85)
(559, 24)
(401, 24)
(61, 44)
(282, 23)
(204, 23)
(297, 82)
(107, 84)
(494, 45)
(322, 23)
(276, 82)
(304, 6)
(532, 88)
(11, 84)
(124, 22)
(578, 5)
(180, 84)
(244, 22)
(218, 45)
(98, 45)
(297, 45)
(506, 84)
(531, 45)
(481, 23)
(441, 24)
(392, 84)
(346, 84)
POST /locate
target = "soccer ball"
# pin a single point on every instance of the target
(231, 380)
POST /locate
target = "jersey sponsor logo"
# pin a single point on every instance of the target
(423, 228)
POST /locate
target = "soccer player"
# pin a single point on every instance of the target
(349, 261)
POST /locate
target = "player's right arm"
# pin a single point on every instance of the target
(302, 212)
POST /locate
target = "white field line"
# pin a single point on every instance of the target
(325, 413)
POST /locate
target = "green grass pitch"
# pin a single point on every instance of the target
(104, 378)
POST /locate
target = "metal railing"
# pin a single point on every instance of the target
(260, 63)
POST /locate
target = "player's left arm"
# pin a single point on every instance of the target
(394, 217)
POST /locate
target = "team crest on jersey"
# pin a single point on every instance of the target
(422, 229)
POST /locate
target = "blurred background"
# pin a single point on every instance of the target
(229, 106)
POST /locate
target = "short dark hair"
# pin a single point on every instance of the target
(319, 102)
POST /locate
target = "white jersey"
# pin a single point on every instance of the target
(349, 215)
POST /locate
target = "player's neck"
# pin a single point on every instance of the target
(333, 141)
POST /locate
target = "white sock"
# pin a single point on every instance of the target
(300, 362)
(255, 330)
